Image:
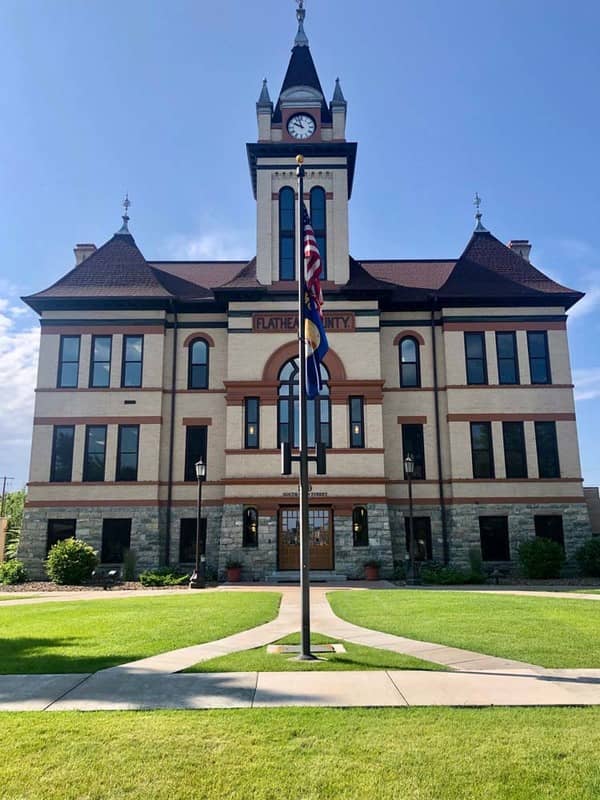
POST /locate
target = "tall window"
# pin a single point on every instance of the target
(127, 453)
(482, 450)
(198, 365)
(508, 362)
(59, 529)
(539, 359)
(100, 361)
(195, 449)
(476, 359)
(360, 527)
(252, 423)
(250, 528)
(413, 445)
(131, 371)
(287, 234)
(410, 368)
(547, 450)
(95, 453)
(550, 526)
(68, 362)
(493, 534)
(116, 539)
(187, 539)
(61, 466)
(422, 537)
(318, 218)
(318, 410)
(357, 422)
(515, 458)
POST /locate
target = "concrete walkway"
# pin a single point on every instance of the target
(477, 679)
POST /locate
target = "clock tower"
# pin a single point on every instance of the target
(301, 122)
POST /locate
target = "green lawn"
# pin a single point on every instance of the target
(545, 631)
(303, 754)
(89, 635)
(15, 596)
(356, 657)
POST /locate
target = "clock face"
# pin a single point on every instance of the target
(301, 126)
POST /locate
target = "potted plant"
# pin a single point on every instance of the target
(372, 570)
(234, 570)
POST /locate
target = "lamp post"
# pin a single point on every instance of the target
(198, 579)
(409, 468)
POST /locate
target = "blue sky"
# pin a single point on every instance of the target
(157, 98)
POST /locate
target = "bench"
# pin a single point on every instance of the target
(107, 577)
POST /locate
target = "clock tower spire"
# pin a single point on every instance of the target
(301, 122)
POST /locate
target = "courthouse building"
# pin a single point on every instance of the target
(147, 365)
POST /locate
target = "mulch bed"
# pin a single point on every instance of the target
(46, 586)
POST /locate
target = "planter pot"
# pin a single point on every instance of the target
(372, 573)
(234, 574)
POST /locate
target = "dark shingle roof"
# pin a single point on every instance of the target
(117, 269)
(301, 71)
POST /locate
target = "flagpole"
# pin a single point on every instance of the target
(305, 654)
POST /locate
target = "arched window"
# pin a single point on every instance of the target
(360, 527)
(198, 364)
(319, 409)
(318, 217)
(250, 531)
(410, 367)
(287, 234)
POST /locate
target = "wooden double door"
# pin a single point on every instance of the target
(321, 538)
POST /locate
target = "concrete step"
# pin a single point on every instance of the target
(316, 576)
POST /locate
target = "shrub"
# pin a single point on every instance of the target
(163, 576)
(12, 544)
(12, 571)
(588, 557)
(477, 574)
(71, 561)
(444, 576)
(541, 558)
(399, 573)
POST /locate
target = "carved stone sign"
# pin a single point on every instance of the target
(335, 322)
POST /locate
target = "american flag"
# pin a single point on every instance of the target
(312, 262)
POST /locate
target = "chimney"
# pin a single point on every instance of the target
(522, 247)
(83, 251)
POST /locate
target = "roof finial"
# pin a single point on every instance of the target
(125, 217)
(301, 39)
(479, 228)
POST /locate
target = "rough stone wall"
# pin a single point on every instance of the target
(463, 526)
(145, 539)
(398, 514)
(350, 560)
(213, 515)
(257, 562)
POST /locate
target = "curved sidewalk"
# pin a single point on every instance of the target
(152, 683)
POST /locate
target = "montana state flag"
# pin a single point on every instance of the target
(314, 330)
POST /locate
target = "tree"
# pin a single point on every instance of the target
(13, 509)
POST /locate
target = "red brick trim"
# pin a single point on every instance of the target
(560, 325)
(196, 421)
(412, 420)
(97, 420)
(562, 417)
(199, 335)
(80, 330)
(289, 350)
(406, 334)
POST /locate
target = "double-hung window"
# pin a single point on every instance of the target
(68, 362)
(127, 453)
(61, 465)
(131, 370)
(95, 453)
(357, 422)
(539, 358)
(476, 359)
(547, 450)
(100, 361)
(195, 449)
(413, 445)
(482, 450)
(252, 423)
(515, 458)
(508, 362)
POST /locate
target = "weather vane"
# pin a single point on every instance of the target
(126, 204)
(478, 215)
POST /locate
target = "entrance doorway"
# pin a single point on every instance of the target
(321, 538)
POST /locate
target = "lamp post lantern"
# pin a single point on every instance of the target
(198, 579)
(409, 468)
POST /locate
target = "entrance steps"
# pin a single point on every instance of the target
(316, 576)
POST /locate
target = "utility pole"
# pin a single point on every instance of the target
(5, 478)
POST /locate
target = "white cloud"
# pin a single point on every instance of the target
(587, 383)
(215, 243)
(19, 345)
